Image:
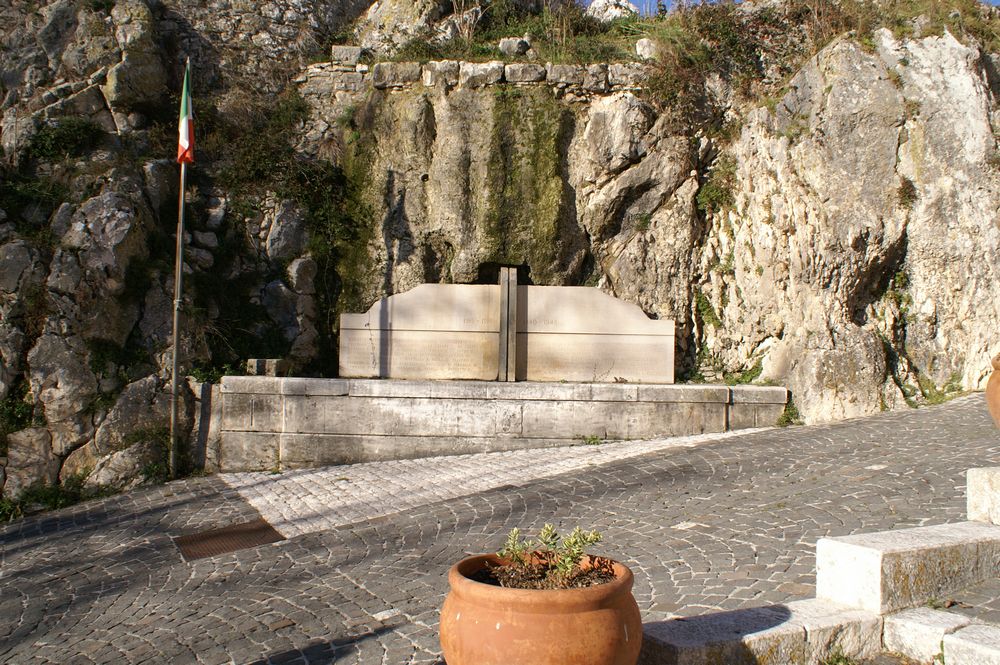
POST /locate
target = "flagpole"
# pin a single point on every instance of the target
(178, 278)
(185, 154)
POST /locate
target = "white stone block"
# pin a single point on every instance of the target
(308, 386)
(688, 393)
(614, 392)
(759, 395)
(524, 73)
(479, 74)
(832, 629)
(893, 570)
(443, 72)
(379, 388)
(973, 645)
(983, 494)
(251, 385)
(539, 391)
(920, 632)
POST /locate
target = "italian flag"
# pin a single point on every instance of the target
(185, 142)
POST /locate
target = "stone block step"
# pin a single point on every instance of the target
(801, 632)
(893, 570)
(919, 633)
(973, 645)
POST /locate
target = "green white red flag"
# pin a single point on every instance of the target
(185, 142)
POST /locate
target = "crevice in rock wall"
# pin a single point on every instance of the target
(879, 281)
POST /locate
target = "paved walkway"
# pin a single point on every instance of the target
(304, 501)
(720, 524)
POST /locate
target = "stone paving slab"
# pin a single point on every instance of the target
(979, 602)
(725, 526)
(300, 502)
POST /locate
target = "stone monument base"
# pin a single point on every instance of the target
(271, 423)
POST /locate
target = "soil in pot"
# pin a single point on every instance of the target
(539, 576)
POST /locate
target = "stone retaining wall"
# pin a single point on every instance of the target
(287, 423)
(346, 75)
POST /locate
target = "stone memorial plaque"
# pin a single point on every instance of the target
(435, 331)
(568, 333)
(506, 332)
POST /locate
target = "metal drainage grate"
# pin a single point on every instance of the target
(227, 539)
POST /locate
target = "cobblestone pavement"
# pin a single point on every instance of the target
(300, 502)
(980, 602)
(723, 525)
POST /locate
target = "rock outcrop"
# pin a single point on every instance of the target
(872, 177)
(858, 253)
(389, 24)
(611, 10)
(841, 240)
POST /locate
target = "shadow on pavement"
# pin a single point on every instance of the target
(327, 651)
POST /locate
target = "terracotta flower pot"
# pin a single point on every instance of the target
(482, 624)
(993, 391)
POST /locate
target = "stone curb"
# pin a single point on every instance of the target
(805, 631)
(919, 633)
(977, 644)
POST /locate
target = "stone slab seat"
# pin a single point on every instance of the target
(894, 570)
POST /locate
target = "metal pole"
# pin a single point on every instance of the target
(178, 274)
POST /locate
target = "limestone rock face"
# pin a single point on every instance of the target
(125, 469)
(140, 77)
(294, 311)
(21, 276)
(388, 24)
(131, 435)
(286, 232)
(609, 10)
(858, 254)
(843, 207)
(29, 461)
(88, 271)
(948, 151)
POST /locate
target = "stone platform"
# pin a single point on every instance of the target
(286, 423)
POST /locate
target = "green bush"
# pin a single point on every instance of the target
(562, 33)
(15, 413)
(907, 194)
(705, 39)
(716, 194)
(790, 416)
(747, 376)
(66, 137)
(705, 310)
(21, 190)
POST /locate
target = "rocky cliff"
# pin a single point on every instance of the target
(838, 236)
